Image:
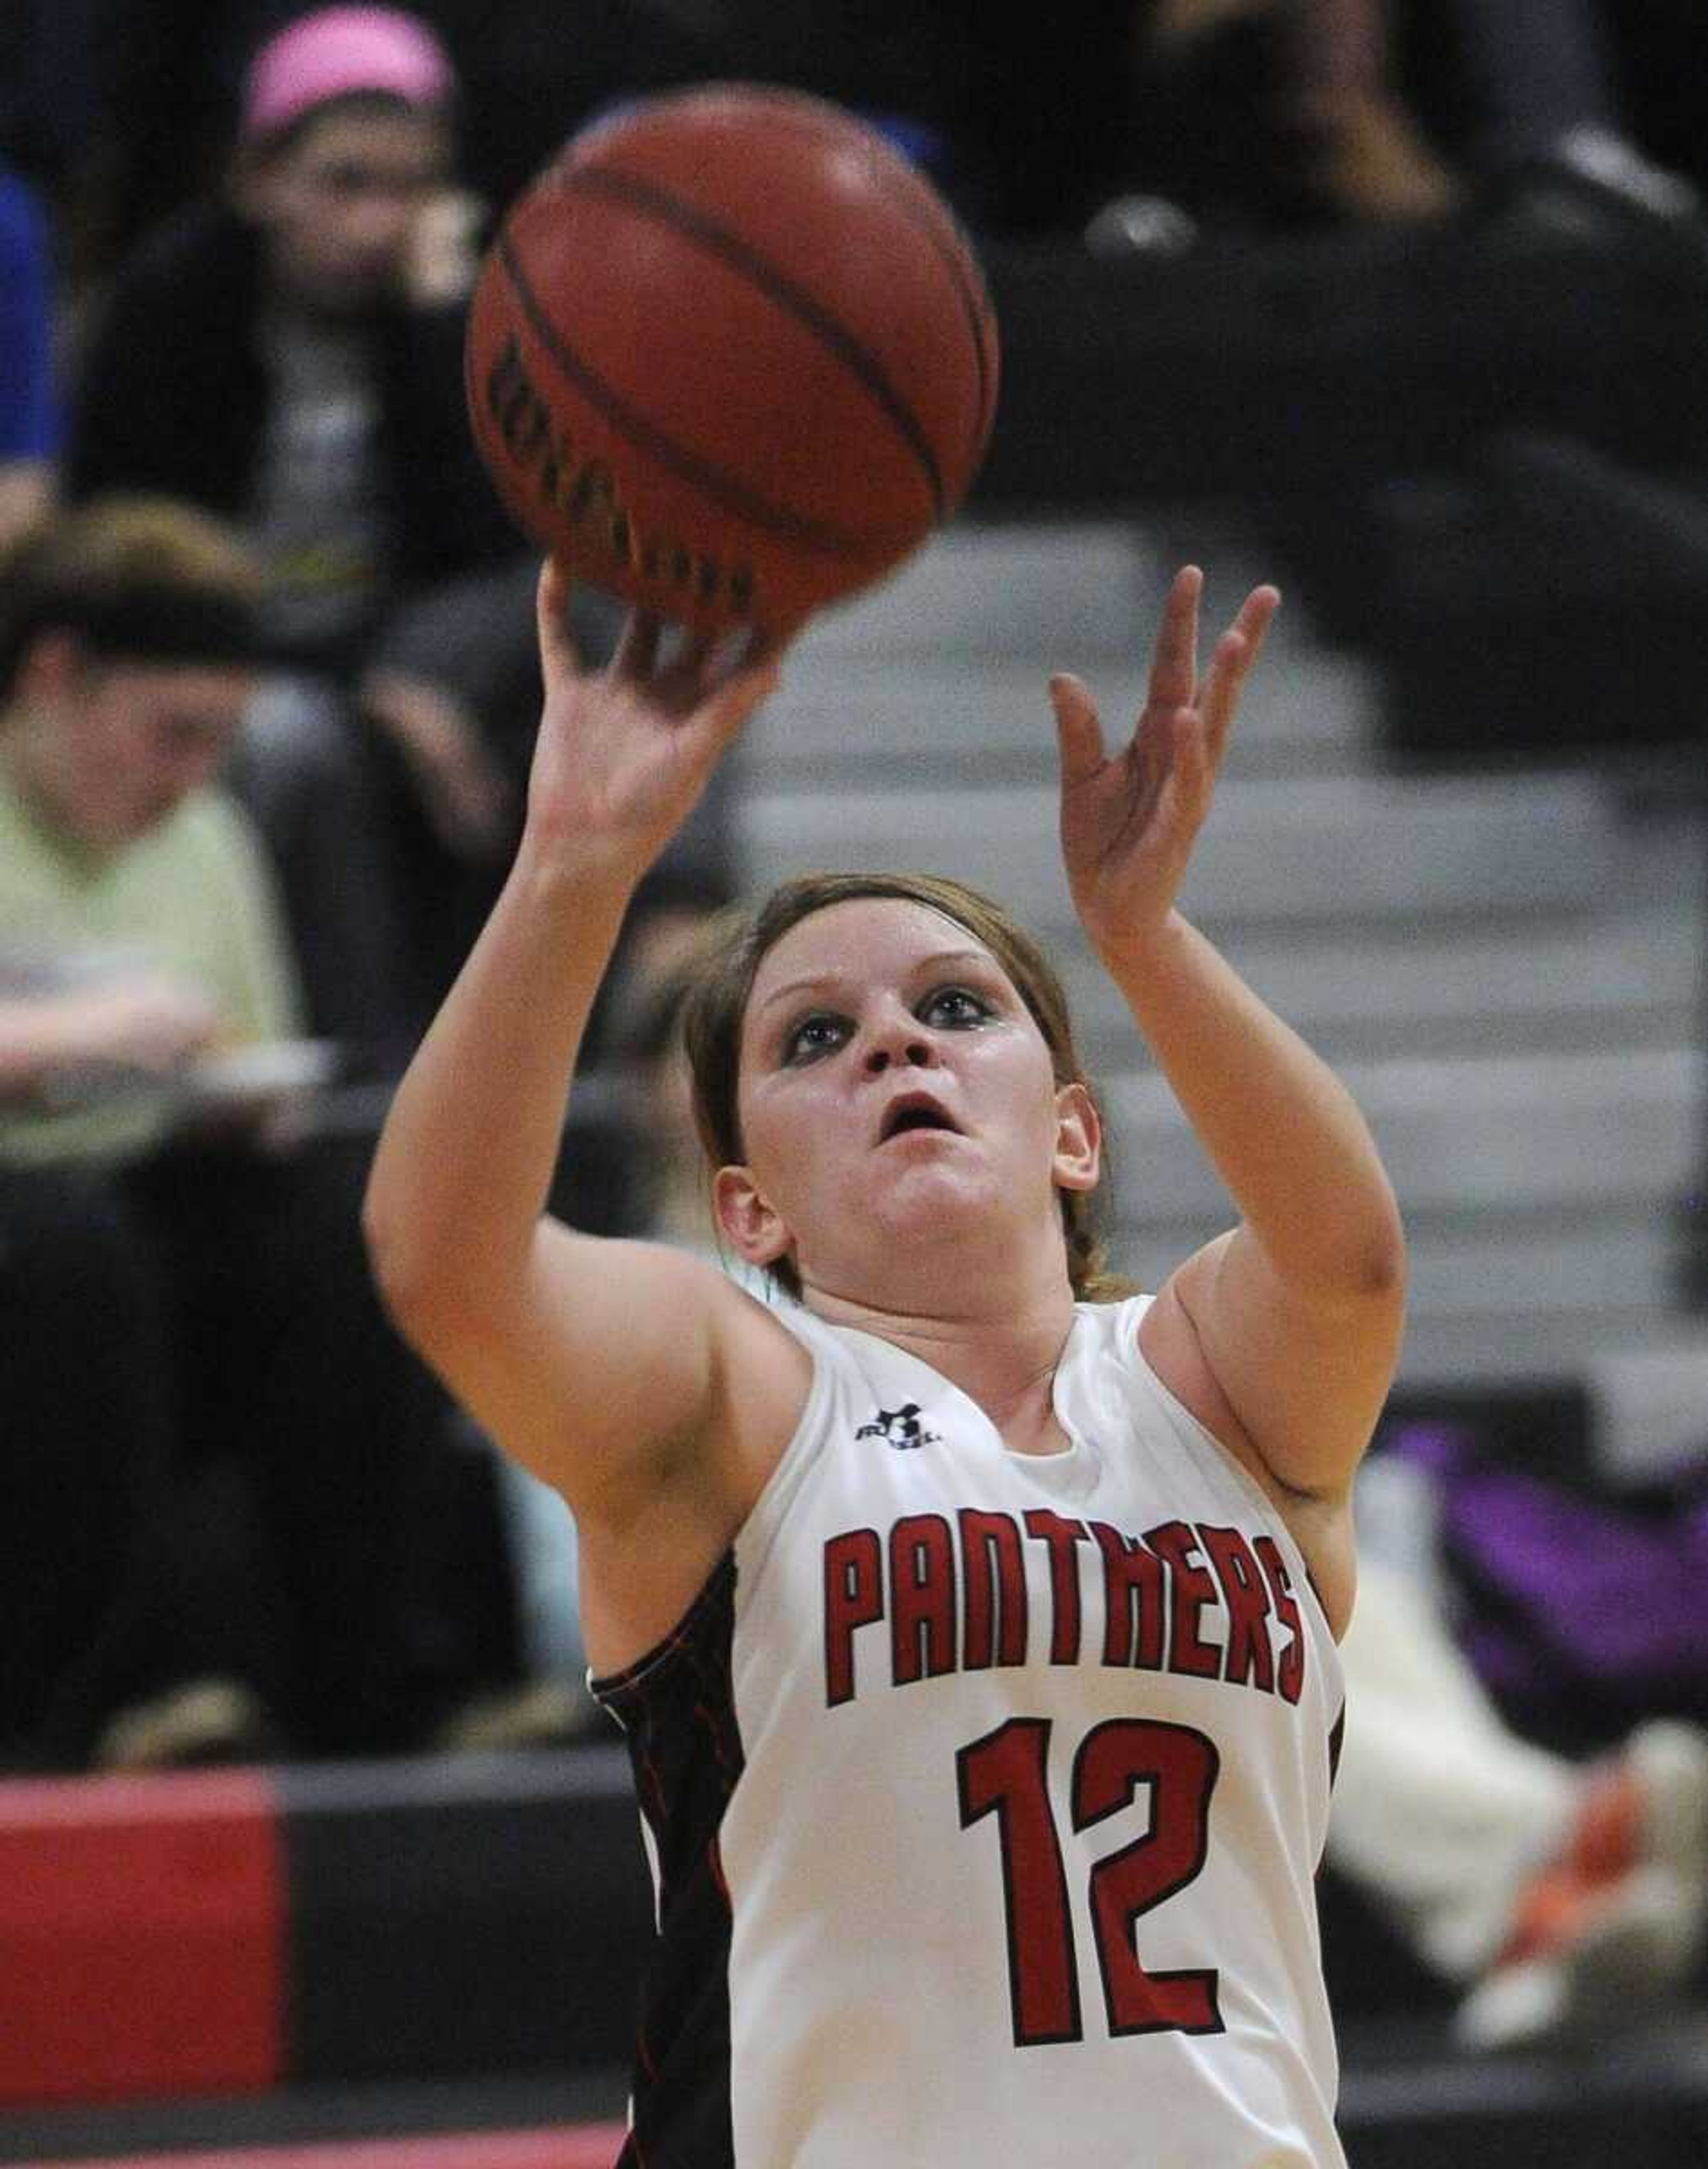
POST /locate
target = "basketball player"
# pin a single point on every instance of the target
(972, 1625)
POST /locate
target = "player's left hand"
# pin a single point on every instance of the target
(1130, 819)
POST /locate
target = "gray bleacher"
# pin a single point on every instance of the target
(1507, 965)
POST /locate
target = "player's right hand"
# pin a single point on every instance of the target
(624, 753)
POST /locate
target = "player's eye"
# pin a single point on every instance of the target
(813, 1036)
(953, 1006)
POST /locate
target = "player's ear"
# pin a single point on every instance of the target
(1079, 1139)
(749, 1223)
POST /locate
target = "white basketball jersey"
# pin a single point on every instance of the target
(984, 1794)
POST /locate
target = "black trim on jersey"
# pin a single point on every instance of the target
(1337, 1738)
(677, 1708)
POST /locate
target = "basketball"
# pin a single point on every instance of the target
(731, 357)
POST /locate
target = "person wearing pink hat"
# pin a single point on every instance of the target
(345, 146)
(341, 52)
(345, 152)
(275, 358)
(269, 357)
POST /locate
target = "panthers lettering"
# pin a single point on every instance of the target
(992, 1588)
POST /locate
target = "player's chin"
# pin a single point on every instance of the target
(927, 1156)
(920, 1194)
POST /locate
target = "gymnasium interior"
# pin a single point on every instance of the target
(1475, 460)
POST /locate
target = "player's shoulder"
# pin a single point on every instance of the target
(754, 1323)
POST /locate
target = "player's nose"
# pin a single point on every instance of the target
(897, 1039)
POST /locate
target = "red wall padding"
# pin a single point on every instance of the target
(574, 2146)
(142, 1920)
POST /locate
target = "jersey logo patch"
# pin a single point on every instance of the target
(900, 1428)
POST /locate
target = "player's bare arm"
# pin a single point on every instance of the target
(602, 1367)
(1282, 1334)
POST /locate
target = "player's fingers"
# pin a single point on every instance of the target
(742, 650)
(1078, 731)
(557, 649)
(1220, 697)
(1257, 614)
(1174, 658)
(1230, 665)
(1186, 792)
(734, 698)
(695, 663)
(637, 650)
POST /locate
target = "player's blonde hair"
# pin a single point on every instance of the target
(716, 1004)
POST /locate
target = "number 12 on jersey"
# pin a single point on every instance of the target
(1006, 1773)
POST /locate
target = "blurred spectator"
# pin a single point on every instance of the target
(272, 358)
(1537, 98)
(1279, 111)
(29, 406)
(159, 83)
(1267, 114)
(1560, 1900)
(127, 642)
(129, 106)
(229, 1502)
(1354, 142)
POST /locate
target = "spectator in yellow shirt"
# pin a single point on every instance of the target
(217, 1457)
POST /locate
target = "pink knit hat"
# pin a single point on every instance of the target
(340, 52)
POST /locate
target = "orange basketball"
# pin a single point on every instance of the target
(731, 357)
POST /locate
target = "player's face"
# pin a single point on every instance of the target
(121, 747)
(898, 1104)
(341, 204)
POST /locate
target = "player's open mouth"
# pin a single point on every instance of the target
(914, 1111)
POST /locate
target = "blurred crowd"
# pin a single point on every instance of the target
(1265, 112)
(267, 690)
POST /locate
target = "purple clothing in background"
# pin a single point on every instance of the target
(1584, 1606)
(28, 407)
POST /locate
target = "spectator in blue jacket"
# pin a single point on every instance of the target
(28, 408)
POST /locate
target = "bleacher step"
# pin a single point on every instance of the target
(1079, 589)
(1650, 1404)
(1601, 1267)
(841, 719)
(1579, 983)
(1300, 851)
(1567, 1131)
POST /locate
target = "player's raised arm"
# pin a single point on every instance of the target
(571, 1350)
(1292, 1321)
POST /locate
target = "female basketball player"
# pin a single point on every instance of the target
(975, 1641)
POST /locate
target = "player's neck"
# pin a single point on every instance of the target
(1003, 1360)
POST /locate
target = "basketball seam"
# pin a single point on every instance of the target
(651, 198)
(714, 482)
(933, 219)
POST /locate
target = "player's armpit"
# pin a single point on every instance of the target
(608, 1365)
